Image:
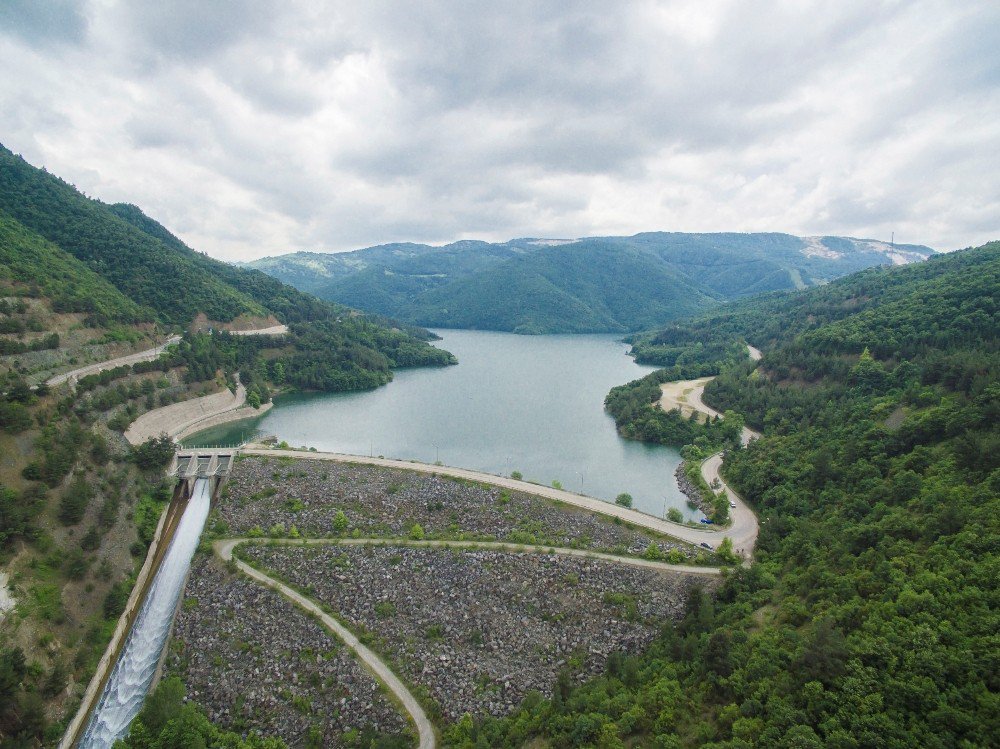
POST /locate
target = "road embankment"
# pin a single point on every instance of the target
(179, 420)
(129, 359)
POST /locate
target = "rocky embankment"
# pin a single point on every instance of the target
(479, 629)
(254, 661)
(689, 490)
(380, 502)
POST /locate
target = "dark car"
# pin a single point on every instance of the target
(706, 546)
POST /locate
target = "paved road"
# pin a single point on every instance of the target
(687, 395)
(744, 527)
(147, 355)
(424, 728)
(273, 330)
(691, 534)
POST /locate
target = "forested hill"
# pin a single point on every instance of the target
(59, 237)
(138, 256)
(597, 284)
(769, 320)
(870, 616)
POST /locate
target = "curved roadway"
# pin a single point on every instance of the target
(140, 356)
(692, 534)
(424, 728)
(686, 396)
(224, 549)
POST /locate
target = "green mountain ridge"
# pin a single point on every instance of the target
(167, 282)
(600, 284)
(869, 616)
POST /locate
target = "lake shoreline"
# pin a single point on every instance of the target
(530, 404)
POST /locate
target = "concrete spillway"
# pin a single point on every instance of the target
(132, 675)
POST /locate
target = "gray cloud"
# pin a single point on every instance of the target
(254, 127)
(43, 23)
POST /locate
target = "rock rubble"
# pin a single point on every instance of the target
(381, 502)
(479, 629)
(254, 661)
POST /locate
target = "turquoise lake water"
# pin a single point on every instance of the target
(534, 404)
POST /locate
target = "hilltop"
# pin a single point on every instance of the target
(600, 284)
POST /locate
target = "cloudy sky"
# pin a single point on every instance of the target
(254, 128)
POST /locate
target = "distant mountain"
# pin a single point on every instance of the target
(600, 284)
(121, 267)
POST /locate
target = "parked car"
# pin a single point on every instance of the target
(706, 546)
(706, 521)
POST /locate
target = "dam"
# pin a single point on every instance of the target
(124, 690)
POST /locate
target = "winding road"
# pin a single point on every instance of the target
(425, 730)
(692, 534)
(224, 549)
(148, 355)
(686, 396)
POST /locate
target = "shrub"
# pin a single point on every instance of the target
(74, 501)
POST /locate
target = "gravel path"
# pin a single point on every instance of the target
(273, 330)
(479, 629)
(651, 564)
(424, 728)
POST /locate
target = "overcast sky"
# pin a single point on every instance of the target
(256, 128)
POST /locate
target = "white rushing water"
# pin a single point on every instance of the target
(129, 682)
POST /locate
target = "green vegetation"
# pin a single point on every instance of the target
(120, 266)
(154, 454)
(636, 411)
(624, 500)
(69, 284)
(602, 284)
(869, 617)
(168, 721)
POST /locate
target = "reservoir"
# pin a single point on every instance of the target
(533, 404)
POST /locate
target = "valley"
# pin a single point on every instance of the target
(436, 596)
